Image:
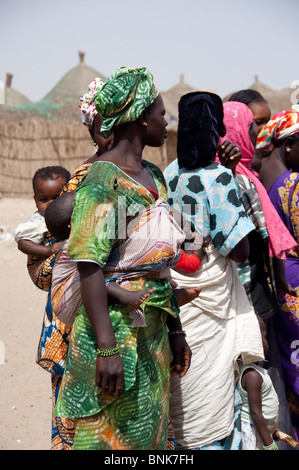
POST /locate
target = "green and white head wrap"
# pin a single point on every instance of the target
(124, 96)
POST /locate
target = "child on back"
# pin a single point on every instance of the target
(30, 236)
(66, 301)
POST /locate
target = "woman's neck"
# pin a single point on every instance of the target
(272, 167)
(126, 153)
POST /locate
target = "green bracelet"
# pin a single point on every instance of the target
(108, 352)
(272, 446)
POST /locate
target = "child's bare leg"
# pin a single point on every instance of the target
(131, 300)
(186, 295)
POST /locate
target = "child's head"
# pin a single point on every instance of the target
(47, 184)
(58, 215)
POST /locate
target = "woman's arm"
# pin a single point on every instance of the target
(179, 347)
(280, 279)
(109, 369)
(240, 252)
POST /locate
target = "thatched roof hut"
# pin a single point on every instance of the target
(49, 132)
(74, 83)
(278, 99)
(11, 96)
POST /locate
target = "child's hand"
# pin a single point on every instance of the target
(53, 248)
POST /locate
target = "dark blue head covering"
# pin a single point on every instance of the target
(200, 121)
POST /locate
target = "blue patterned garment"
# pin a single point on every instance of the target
(209, 199)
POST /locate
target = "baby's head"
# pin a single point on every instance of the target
(58, 215)
(47, 184)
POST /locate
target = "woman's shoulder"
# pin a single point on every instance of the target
(101, 168)
(76, 177)
(101, 174)
(154, 169)
(199, 178)
(210, 175)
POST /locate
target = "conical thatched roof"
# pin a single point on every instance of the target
(172, 97)
(61, 103)
(74, 83)
(11, 96)
(278, 99)
(171, 100)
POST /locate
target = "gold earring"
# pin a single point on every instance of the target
(288, 149)
(144, 123)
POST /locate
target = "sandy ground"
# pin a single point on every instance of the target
(25, 388)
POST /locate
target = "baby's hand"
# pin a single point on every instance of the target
(55, 247)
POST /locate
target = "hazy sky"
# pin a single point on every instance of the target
(216, 44)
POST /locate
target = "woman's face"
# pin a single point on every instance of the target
(156, 123)
(293, 156)
(103, 144)
(261, 114)
(256, 161)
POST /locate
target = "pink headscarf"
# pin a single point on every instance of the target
(237, 119)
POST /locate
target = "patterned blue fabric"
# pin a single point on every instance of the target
(209, 199)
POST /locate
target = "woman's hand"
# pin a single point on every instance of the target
(229, 155)
(110, 375)
(181, 355)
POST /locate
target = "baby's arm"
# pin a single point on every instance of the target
(35, 249)
(252, 383)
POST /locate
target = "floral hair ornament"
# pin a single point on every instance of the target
(86, 102)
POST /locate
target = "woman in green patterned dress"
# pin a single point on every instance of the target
(116, 381)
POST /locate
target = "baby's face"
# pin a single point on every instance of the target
(46, 191)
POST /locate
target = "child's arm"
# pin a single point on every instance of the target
(34, 249)
(252, 383)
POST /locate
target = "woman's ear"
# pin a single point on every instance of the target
(143, 119)
(289, 141)
(288, 146)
